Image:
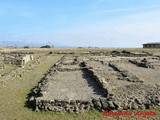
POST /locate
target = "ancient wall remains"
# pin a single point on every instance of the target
(16, 58)
(134, 94)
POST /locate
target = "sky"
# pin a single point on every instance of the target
(79, 23)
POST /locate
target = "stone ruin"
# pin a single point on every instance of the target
(142, 63)
(70, 103)
(16, 58)
(113, 53)
(80, 83)
(129, 54)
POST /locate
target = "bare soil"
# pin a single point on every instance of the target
(75, 85)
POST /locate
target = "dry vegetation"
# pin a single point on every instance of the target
(15, 88)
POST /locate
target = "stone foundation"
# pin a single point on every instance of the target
(16, 58)
(142, 63)
(134, 95)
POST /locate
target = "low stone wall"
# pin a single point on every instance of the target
(36, 96)
(135, 98)
(100, 80)
(68, 69)
(132, 99)
(27, 58)
(16, 58)
(129, 54)
(142, 63)
(124, 74)
(63, 106)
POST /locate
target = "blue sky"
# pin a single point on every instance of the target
(74, 23)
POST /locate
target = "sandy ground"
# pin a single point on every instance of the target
(73, 85)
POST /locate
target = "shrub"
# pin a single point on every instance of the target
(26, 46)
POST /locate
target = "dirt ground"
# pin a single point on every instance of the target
(15, 86)
(73, 86)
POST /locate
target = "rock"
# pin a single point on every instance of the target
(139, 101)
(76, 109)
(64, 103)
(134, 105)
(81, 107)
(124, 105)
(111, 105)
(141, 107)
(155, 100)
(46, 108)
(97, 104)
(104, 105)
(70, 110)
(110, 97)
(72, 102)
(129, 105)
(31, 99)
(52, 102)
(59, 109)
(117, 104)
(51, 108)
(147, 104)
(37, 110)
(86, 107)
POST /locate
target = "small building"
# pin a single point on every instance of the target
(152, 45)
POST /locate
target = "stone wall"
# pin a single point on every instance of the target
(1, 59)
(16, 58)
(141, 63)
(36, 96)
(129, 54)
(26, 59)
(138, 96)
(124, 74)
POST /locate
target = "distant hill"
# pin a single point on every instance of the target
(12, 43)
(20, 44)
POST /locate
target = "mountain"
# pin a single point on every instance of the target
(12, 43)
(24, 43)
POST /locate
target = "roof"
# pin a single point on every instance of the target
(152, 43)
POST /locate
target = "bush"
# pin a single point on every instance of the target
(46, 46)
(26, 46)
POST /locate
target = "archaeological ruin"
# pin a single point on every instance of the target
(102, 81)
(16, 58)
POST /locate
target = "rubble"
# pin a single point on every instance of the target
(142, 63)
(80, 83)
(125, 53)
(16, 58)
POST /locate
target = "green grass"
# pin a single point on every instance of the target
(8, 68)
(13, 94)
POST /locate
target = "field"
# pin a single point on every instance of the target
(18, 82)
